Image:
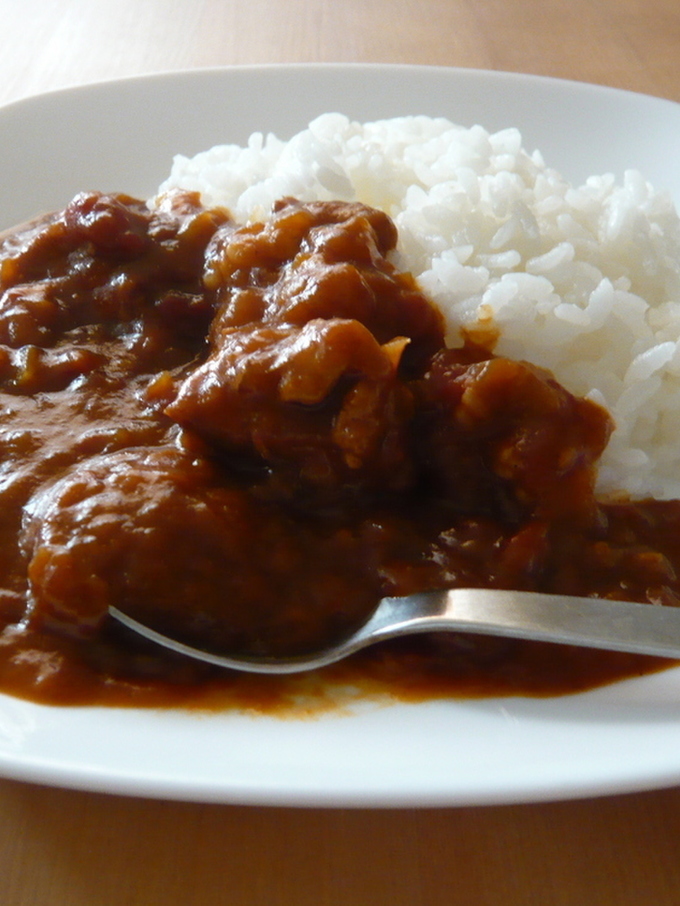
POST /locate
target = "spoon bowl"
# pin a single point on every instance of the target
(562, 619)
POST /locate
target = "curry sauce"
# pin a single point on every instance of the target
(246, 436)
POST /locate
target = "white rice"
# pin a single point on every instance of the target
(583, 280)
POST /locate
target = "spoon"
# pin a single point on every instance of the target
(588, 622)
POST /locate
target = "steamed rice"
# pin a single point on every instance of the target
(583, 280)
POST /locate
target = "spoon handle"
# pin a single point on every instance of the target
(563, 619)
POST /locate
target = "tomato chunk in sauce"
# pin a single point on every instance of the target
(245, 436)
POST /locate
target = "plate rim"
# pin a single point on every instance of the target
(330, 66)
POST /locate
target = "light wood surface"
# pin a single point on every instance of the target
(63, 848)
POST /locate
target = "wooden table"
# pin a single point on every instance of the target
(62, 848)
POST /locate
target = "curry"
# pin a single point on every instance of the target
(244, 436)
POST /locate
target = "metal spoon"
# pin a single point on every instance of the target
(588, 622)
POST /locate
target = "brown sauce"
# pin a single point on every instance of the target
(246, 436)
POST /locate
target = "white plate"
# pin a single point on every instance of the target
(121, 136)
